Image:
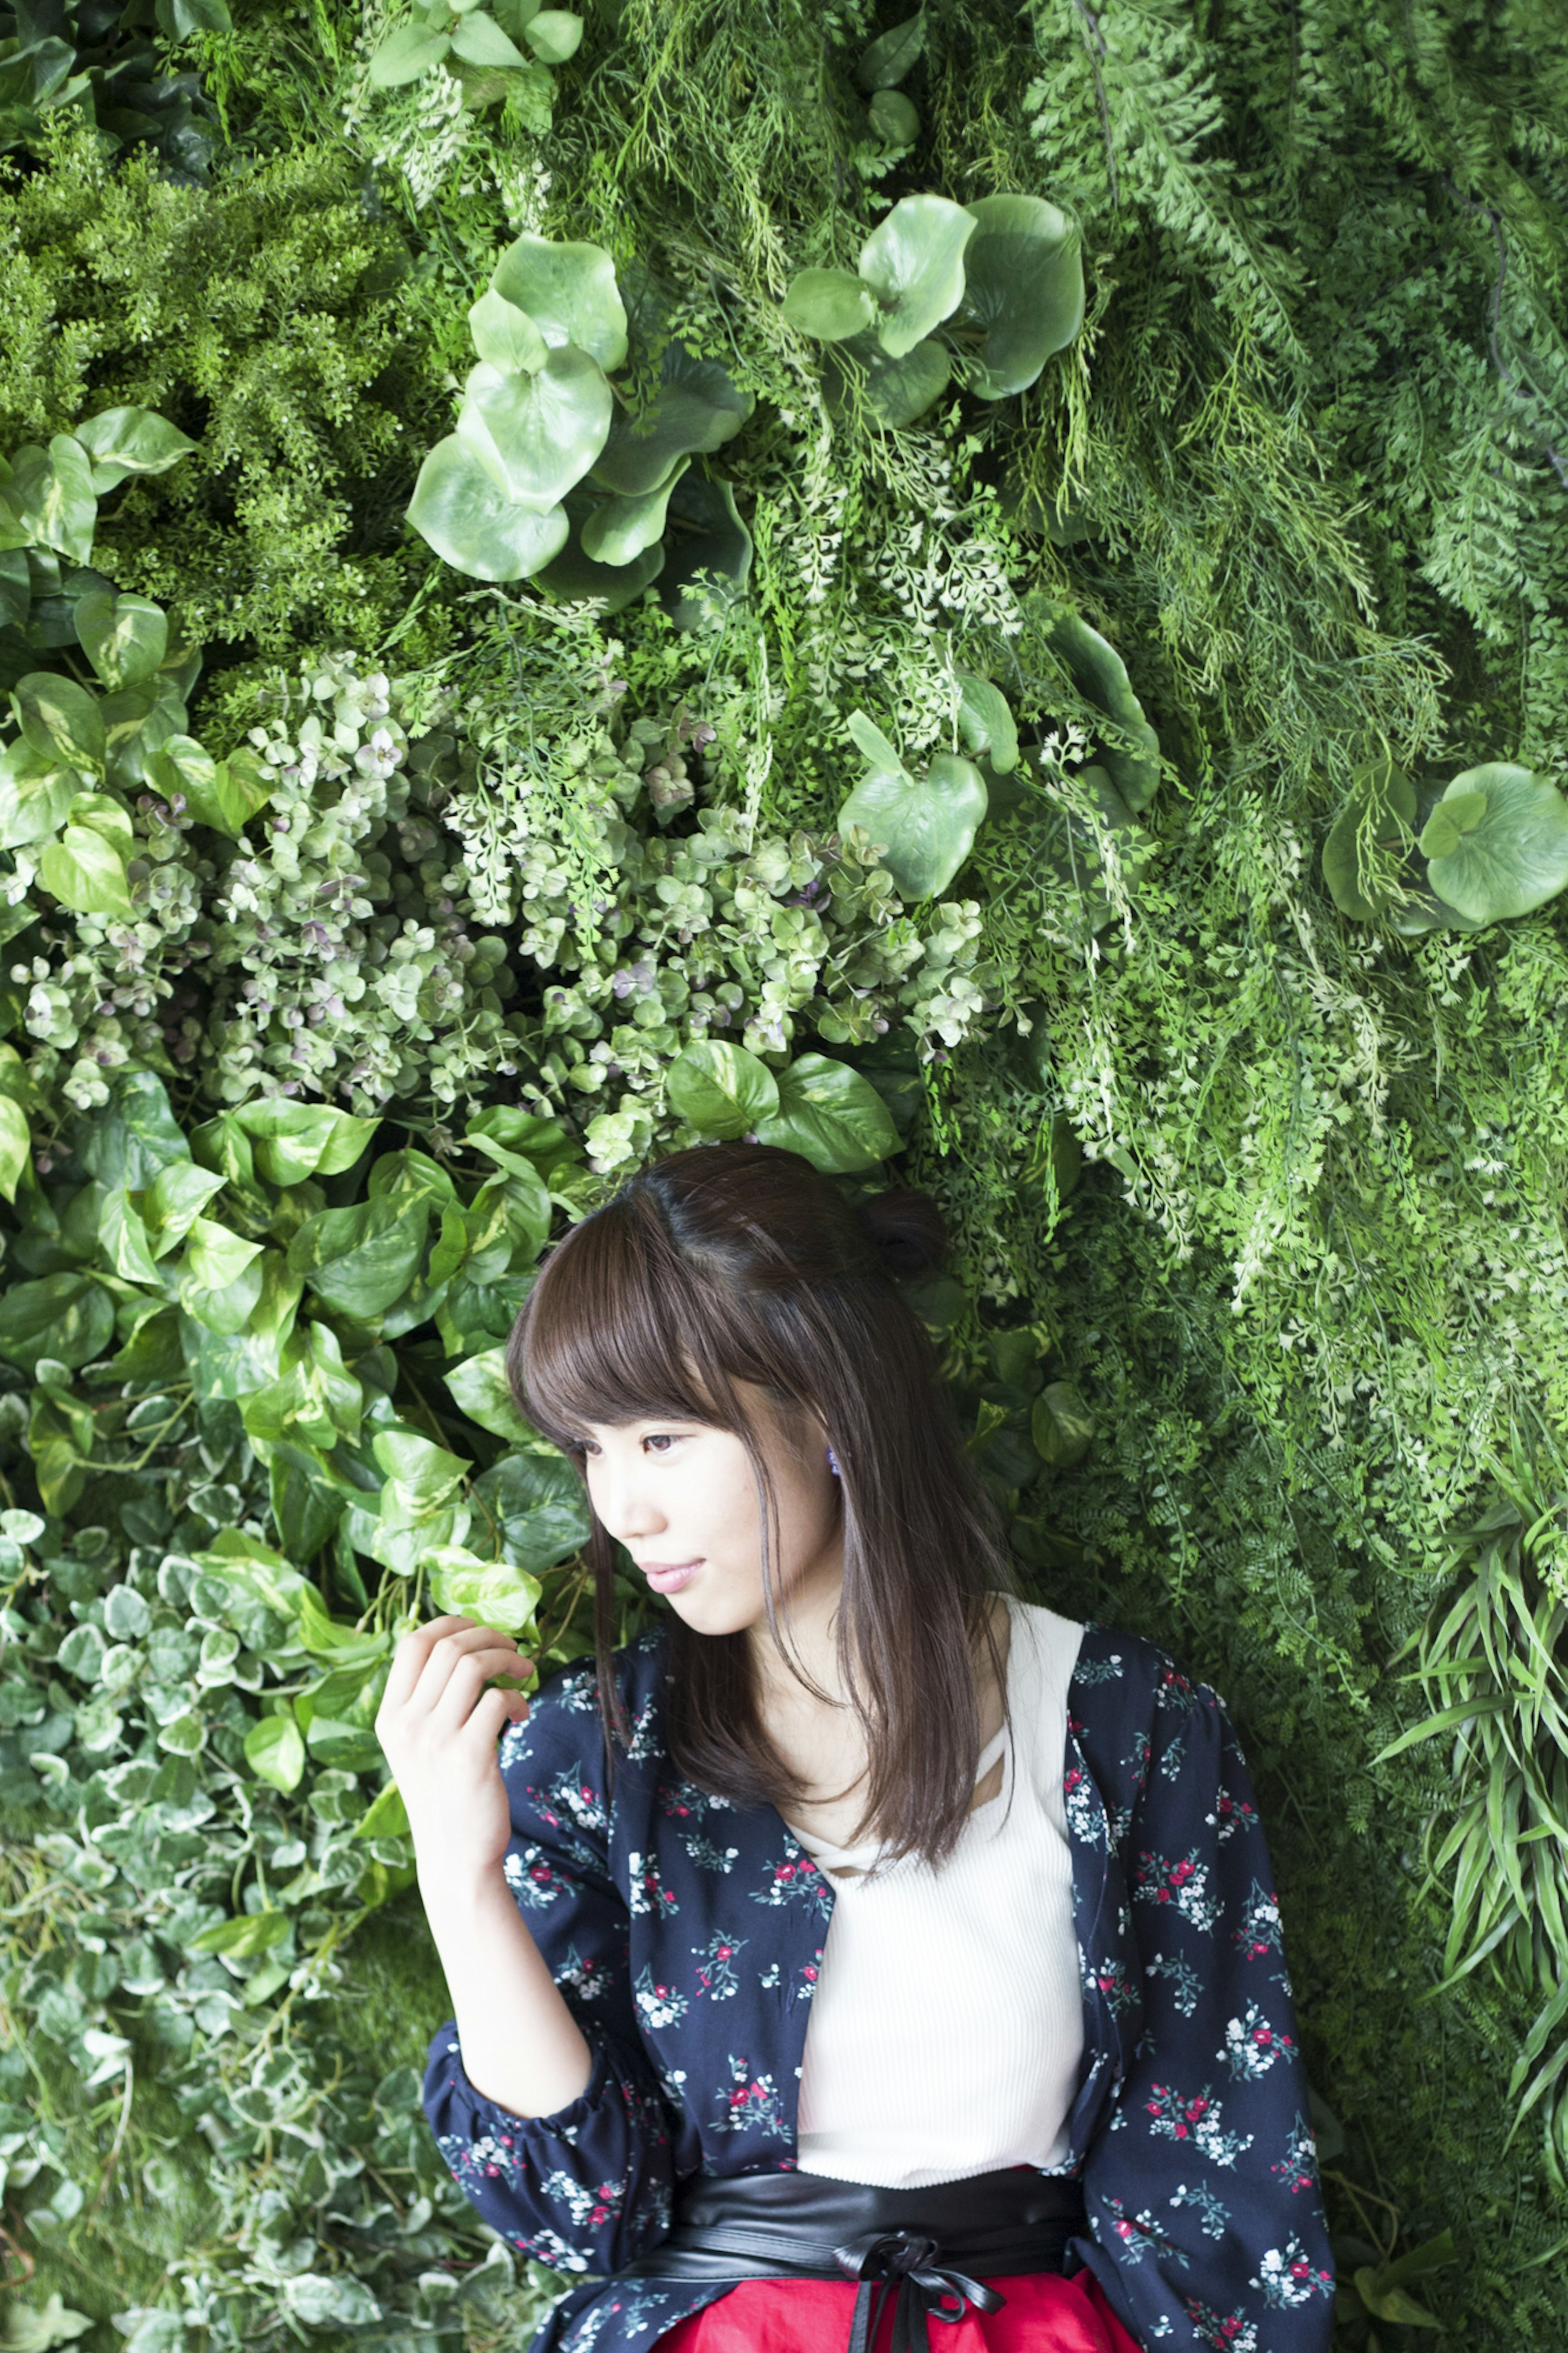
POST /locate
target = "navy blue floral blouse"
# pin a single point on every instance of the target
(687, 1934)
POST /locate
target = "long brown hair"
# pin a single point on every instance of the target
(734, 1263)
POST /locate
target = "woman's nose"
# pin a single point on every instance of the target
(624, 1503)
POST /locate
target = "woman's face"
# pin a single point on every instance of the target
(682, 1498)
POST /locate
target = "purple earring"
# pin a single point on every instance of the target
(833, 1464)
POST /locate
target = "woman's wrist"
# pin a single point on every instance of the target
(461, 1888)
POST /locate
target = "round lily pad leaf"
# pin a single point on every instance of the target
(897, 392)
(1449, 822)
(1379, 815)
(505, 337)
(722, 1090)
(536, 436)
(1099, 674)
(832, 1115)
(894, 119)
(1515, 856)
(575, 577)
(618, 530)
(1023, 275)
(926, 826)
(914, 263)
(891, 55)
(707, 551)
(829, 304)
(569, 291)
(697, 410)
(472, 524)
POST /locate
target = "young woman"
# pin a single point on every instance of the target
(864, 1946)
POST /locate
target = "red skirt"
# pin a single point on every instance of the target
(1044, 2314)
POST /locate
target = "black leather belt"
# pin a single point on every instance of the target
(925, 2253)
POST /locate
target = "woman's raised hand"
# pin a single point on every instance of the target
(438, 1724)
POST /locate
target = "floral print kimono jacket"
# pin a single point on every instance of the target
(687, 1934)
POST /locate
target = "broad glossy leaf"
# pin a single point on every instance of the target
(101, 814)
(708, 552)
(505, 337)
(543, 1141)
(926, 825)
(618, 531)
(426, 1471)
(386, 1816)
(57, 716)
(122, 1241)
(537, 435)
(36, 790)
(122, 441)
(1515, 857)
(494, 1593)
(1449, 822)
(358, 1260)
(897, 392)
(1062, 1426)
(874, 746)
(15, 1145)
(1023, 273)
(481, 1386)
(721, 1090)
(894, 119)
(54, 497)
(293, 1140)
(223, 794)
(985, 722)
(914, 263)
(275, 1752)
(244, 1936)
(137, 1134)
(1382, 810)
(554, 35)
(15, 581)
(575, 577)
(698, 409)
(125, 637)
(67, 1316)
(1099, 674)
(831, 1114)
(174, 1200)
(569, 291)
(406, 54)
(84, 873)
(893, 54)
(478, 40)
(471, 523)
(214, 1256)
(534, 1502)
(829, 304)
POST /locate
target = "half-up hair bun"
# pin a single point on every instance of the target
(907, 1231)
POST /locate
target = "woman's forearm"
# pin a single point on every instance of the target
(521, 2045)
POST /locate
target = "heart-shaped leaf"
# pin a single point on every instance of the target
(481, 1386)
(914, 263)
(295, 1140)
(124, 637)
(406, 54)
(897, 392)
(874, 746)
(570, 294)
(697, 410)
(1099, 674)
(985, 722)
(721, 1090)
(36, 790)
(832, 1115)
(554, 35)
(1515, 857)
(58, 717)
(1062, 1426)
(15, 1145)
(618, 530)
(1023, 273)
(275, 1752)
(505, 337)
(1379, 815)
(1449, 822)
(893, 118)
(492, 1592)
(536, 436)
(122, 441)
(829, 304)
(54, 497)
(471, 523)
(926, 826)
(84, 872)
(891, 56)
(478, 40)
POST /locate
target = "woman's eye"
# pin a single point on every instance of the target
(660, 1440)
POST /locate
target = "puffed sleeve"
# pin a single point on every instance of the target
(588, 2189)
(1205, 2217)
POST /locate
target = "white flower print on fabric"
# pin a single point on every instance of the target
(1137, 2236)
(716, 1967)
(588, 2208)
(589, 1980)
(1086, 1815)
(1231, 1814)
(549, 2247)
(1099, 1671)
(751, 2104)
(1184, 1978)
(1258, 1931)
(573, 1799)
(648, 1892)
(534, 1880)
(1110, 1978)
(1198, 2118)
(795, 1880)
(1298, 2169)
(1287, 2277)
(658, 2005)
(706, 1855)
(1233, 2333)
(1183, 1883)
(1213, 2213)
(1252, 2045)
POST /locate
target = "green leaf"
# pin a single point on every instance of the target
(103, 814)
(568, 291)
(174, 1200)
(985, 722)
(1380, 811)
(914, 263)
(386, 1816)
(67, 1316)
(698, 409)
(214, 1257)
(84, 873)
(535, 1504)
(471, 523)
(708, 552)
(1511, 859)
(574, 576)
(358, 1260)
(506, 337)
(829, 304)
(223, 794)
(926, 826)
(295, 1140)
(874, 746)
(618, 531)
(36, 790)
(896, 391)
(478, 40)
(15, 1145)
(1099, 674)
(427, 1472)
(243, 1938)
(122, 441)
(492, 1592)
(832, 1115)
(554, 35)
(124, 637)
(1385, 2303)
(123, 1239)
(891, 55)
(405, 55)
(255, 1572)
(481, 1387)
(275, 1752)
(722, 1091)
(893, 119)
(1062, 1426)
(136, 1136)
(1023, 273)
(57, 716)
(54, 497)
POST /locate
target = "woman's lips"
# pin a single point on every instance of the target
(668, 1576)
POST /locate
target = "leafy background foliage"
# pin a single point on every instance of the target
(1258, 1319)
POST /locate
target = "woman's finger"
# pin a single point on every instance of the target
(468, 1675)
(413, 1649)
(498, 1652)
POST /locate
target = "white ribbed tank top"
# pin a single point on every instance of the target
(947, 2025)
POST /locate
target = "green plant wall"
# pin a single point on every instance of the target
(1085, 735)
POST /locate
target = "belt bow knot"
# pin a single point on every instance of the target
(904, 2269)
